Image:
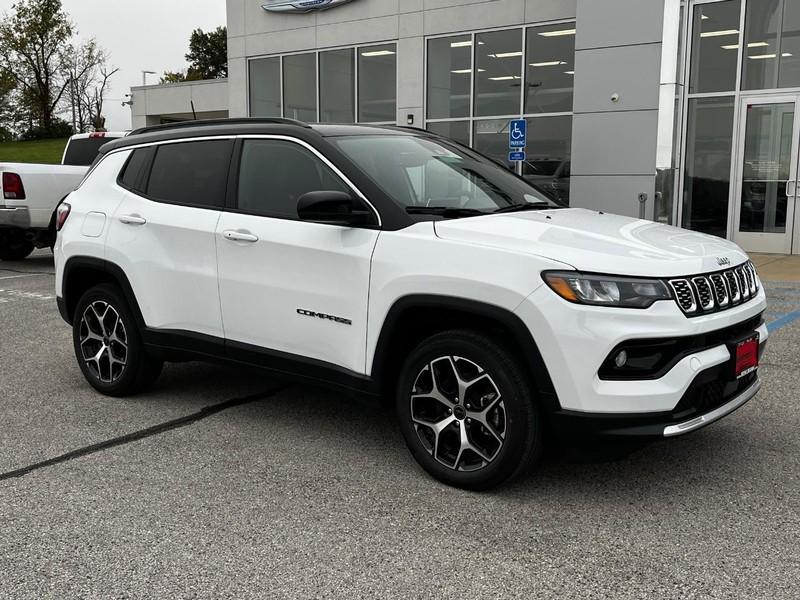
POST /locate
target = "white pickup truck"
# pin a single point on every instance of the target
(31, 193)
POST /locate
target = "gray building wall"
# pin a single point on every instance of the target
(618, 56)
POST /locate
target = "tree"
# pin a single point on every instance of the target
(207, 57)
(89, 80)
(34, 44)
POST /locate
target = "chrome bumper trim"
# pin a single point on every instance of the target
(715, 414)
(15, 217)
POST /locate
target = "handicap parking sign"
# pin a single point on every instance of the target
(517, 134)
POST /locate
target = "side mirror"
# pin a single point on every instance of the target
(333, 208)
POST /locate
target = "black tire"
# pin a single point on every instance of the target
(492, 381)
(14, 246)
(95, 328)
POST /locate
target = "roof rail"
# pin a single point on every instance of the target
(211, 122)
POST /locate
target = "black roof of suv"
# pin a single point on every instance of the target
(214, 127)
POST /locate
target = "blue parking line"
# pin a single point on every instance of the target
(784, 321)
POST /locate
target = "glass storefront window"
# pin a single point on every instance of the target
(265, 87)
(550, 64)
(772, 34)
(498, 80)
(708, 165)
(491, 139)
(449, 77)
(715, 45)
(377, 84)
(300, 87)
(549, 154)
(456, 130)
(336, 86)
(790, 48)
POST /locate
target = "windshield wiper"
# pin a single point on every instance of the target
(444, 211)
(526, 206)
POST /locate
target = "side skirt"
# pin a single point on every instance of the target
(181, 346)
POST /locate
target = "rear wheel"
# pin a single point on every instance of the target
(108, 345)
(14, 245)
(467, 411)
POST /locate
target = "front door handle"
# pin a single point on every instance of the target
(132, 220)
(239, 236)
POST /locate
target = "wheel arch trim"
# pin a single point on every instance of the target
(523, 338)
(112, 270)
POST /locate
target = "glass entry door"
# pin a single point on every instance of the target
(765, 214)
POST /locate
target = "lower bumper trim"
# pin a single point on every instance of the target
(714, 415)
(15, 217)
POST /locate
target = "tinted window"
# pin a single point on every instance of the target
(274, 174)
(131, 175)
(82, 152)
(192, 173)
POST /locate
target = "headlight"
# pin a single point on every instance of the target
(605, 290)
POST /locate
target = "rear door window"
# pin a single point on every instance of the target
(191, 173)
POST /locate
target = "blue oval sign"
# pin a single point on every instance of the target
(301, 6)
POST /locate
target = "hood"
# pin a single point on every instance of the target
(597, 242)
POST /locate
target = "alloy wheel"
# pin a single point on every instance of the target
(104, 341)
(458, 413)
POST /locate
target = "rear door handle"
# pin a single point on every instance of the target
(239, 236)
(791, 189)
(132, 220)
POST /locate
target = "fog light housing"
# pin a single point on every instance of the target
(621, 359)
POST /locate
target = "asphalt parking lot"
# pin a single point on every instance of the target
(300, 493)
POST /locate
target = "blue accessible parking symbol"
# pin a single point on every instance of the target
(517, 134)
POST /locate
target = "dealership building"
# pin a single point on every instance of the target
(680, 112)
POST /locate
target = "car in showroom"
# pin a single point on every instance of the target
(397, 264)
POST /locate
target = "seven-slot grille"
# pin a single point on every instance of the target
(719, 291)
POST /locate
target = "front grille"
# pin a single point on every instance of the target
(704, 294)
(684, 295)
(733, 286)
(720, 290)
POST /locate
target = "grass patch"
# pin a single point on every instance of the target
(37, 151)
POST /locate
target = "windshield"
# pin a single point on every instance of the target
(425, 173)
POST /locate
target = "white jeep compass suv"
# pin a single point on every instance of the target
(398, 263)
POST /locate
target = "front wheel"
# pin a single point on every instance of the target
(467, 411)
(108, 345)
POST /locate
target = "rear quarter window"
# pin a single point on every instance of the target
(133, 173)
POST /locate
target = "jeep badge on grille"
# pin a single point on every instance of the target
(723, 261)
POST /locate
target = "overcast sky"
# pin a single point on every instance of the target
(151, 35)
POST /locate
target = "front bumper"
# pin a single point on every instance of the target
(575, 341)
(15, 217)
(571, 425)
